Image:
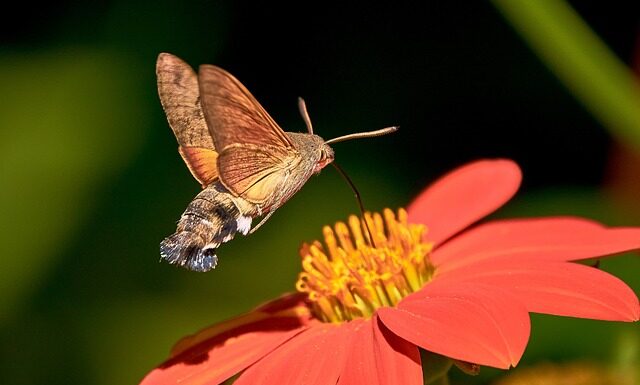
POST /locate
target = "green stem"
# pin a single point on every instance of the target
(435, 368)
(444, 380)
(595, 76)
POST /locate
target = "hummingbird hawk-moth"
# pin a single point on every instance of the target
(247, 165)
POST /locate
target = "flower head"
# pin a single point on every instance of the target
(365, 266)
(383, 286)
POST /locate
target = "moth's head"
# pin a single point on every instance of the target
(326, 157)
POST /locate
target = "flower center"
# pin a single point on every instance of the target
(352, 276)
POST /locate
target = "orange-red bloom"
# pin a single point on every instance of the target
(365, 307)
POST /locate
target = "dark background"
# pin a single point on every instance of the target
(91, 180)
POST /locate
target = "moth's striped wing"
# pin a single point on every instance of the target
(233, 115)
(256, 173)
(179, 95)
(202, 162)
(253, 150)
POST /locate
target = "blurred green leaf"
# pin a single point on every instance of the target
(68, 125)
(595, 76)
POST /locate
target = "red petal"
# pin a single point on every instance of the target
(216, 360)
(315, 356)
(287, 306)
(464, 196)
(377, 356)
(217, 353)
(560, 238)
(474, 323)
(552, 287)
(284, 303)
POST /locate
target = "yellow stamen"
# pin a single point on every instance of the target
(352, 276)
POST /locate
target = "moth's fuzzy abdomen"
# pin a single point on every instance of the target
(243, 224)
(188, 249)
(212, 218)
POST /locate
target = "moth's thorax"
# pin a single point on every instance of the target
(315, 153)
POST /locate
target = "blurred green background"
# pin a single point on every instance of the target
(91, 180)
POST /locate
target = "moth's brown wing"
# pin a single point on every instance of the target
(202, 162)
(180, 98)
(256, 172)
(233, 115)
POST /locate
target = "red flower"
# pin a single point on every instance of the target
(365, 307)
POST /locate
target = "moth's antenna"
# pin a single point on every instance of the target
(302, 106)
(357, 194)
(368, 134)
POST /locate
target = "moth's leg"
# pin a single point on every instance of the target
(262, 221)
(273, 208)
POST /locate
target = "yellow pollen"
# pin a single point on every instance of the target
(351, 275)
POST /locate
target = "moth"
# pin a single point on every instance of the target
(247, 165)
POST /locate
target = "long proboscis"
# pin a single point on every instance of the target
(368, 134)
(358, 199)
